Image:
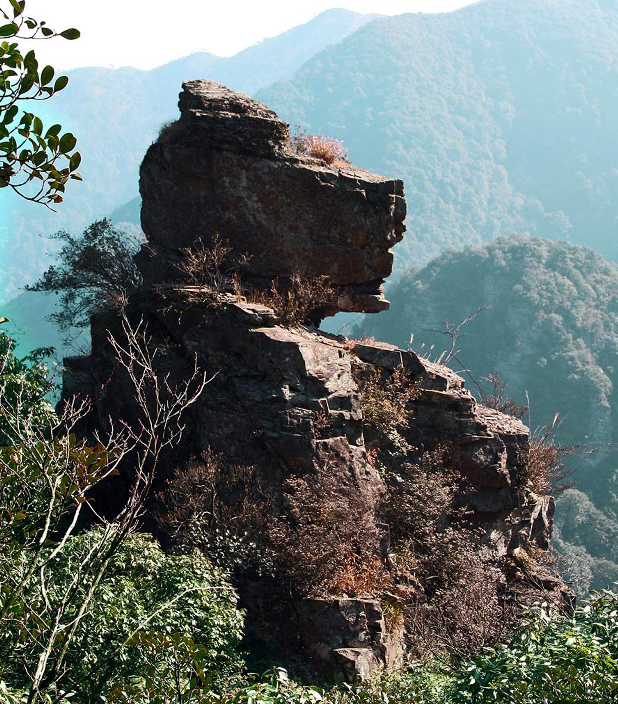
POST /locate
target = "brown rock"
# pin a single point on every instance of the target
(225, 167)
(284, 400)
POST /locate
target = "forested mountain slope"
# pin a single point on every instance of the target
(501, 117)
(550, 331)
(117, 113)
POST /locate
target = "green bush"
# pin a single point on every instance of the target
(551, 659)
(148, 608)
(28, 379)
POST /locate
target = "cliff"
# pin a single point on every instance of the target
(364, 501)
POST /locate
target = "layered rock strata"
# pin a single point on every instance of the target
(227, 167)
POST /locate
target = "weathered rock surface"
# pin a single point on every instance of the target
(285, 400)
(226, 167)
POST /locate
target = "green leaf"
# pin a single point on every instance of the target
(47, 75)
(75, 161)
(37, 127)
(38, 158)
(9, 30)
(18, 8)
(10, 114)
(47, 32)
(60, 83)
(30, 61)
(67, 143)
(53, 131)
(26, 84)
(70, 34)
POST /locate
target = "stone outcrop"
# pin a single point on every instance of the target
(227, 167)
(286, 401)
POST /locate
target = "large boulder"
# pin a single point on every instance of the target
(227, 167)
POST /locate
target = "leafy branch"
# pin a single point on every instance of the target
(35, 162)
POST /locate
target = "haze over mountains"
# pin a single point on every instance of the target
(501, 117)
(116, 114)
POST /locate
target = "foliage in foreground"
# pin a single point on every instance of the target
(24, 381)
(149, 610)
(551, 659)
(32, 158)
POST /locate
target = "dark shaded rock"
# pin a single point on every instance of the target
(350, 637)
(286, 402)
(225, 167)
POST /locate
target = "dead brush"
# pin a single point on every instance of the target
(297, 301)
(384, 398)
(360, 578)
(326, 149)
(498, 400)
(545, 467)
(465, 612)
(432, 547)
(325, 541)
(217, 508)
(207, 269)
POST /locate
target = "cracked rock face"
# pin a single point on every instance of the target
(288, 402)
(226, 167)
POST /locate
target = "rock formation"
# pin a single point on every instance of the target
(292, 403)
(227, 167)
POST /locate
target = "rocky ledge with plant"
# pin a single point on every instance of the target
(366, 508)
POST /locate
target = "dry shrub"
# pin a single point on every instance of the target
(207, 270)
(420, 498)
(498, 399)
(203, 265)
(384, 397)
(545, 469)
(327, 149)
(169, 130)
(322, 424)
(217, 508)
(350, 343)
(326, 541)
(463, 612)
(299, 300)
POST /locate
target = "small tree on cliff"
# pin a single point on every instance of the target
(94, 270)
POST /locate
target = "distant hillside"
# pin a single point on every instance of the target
(551, 331)
(501, 117)
(116, 114)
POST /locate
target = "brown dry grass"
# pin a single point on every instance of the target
(326, 541)
(545, 468)
(298, 300)
(330, 151)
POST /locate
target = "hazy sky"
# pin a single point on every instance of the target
(148, 33)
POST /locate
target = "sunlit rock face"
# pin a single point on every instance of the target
(226, 167)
